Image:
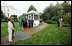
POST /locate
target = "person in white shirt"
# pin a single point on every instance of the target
(10, 27)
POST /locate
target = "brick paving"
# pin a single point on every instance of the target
(33, 30)
(30, 31)
(4, 41)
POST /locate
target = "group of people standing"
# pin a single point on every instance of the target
(60, 22)
(24, 23)
(11, 29)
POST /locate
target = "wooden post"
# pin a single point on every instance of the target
(33, 16)
(33, 20)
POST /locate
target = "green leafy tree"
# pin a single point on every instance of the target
(15, 17)
(67, 18)
(58, 11)
(55, 18)
(23, 15)
(48, 12)
(41, 15)
(31, 8)
(66, 7)
(3, 17)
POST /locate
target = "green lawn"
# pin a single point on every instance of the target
(4, 29)
(51, 35)
(40, 24)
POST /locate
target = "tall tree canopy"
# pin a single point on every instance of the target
(22, 16)
(48, 12)
(31, 8)
(55, 12)
(66, 7)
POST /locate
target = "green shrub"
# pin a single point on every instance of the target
(4, 20)
(67, 18)
(66, 25)
(54, 18)
(51, 22)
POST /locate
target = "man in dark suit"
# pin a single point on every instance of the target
(25, 22)
(29, 23)
(32, 23)
(58, 22)
(13, 27)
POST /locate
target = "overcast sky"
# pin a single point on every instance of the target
(23, 6)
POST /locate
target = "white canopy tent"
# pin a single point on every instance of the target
(33, 12)
(33, 15)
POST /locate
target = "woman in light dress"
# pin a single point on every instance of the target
(10, 28)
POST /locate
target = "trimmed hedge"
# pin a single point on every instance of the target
(51, 22)
(66, 25)
(55, 18)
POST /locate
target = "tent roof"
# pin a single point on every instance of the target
(32, 11)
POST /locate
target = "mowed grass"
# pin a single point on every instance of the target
(51, 35)
(41, 23)
(4, 28)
